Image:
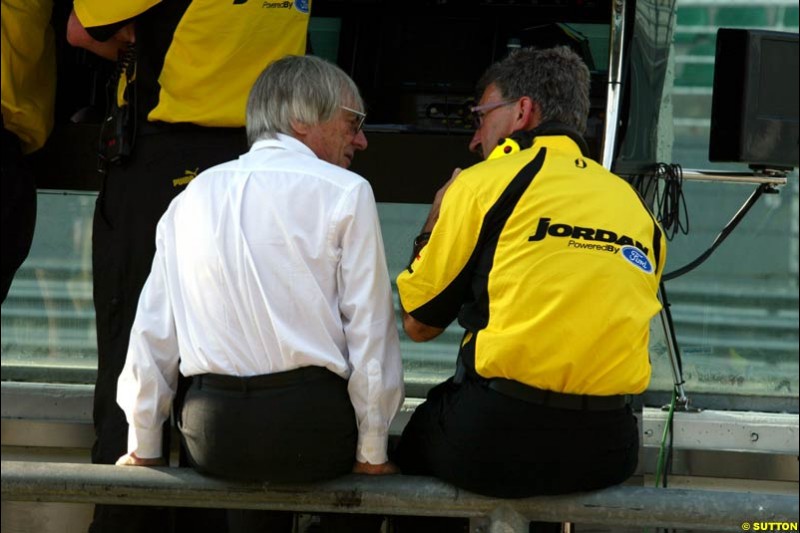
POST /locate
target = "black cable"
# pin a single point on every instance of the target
(668, 201)
(670, 205)
(644, 184)
(729, 227)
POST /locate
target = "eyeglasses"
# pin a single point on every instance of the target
(360, 118)
(479, 112)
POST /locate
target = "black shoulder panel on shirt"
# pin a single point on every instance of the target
(467, 295)
(440, 311)
(656, 243)
(474, 316)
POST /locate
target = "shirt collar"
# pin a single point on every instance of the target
(283, 142)
(551, 129)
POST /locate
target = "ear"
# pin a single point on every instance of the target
(529, 115)
(300, 129)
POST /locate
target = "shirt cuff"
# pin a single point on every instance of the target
(145, 443)
(372, 448)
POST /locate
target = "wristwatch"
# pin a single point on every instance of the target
(419, 243)
(422, 239)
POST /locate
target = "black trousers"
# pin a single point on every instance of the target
(289, 427)
(18, 209)
(130, 203)
(488, 443)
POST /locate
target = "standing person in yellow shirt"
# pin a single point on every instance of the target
(28, 97)
(178, 109)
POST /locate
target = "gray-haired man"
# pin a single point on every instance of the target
(269, 286)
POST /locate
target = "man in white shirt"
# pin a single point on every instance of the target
(270, 288)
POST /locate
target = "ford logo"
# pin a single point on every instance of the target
(638, 259)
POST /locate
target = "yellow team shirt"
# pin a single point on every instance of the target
(217, 51)
(551, 264)
(28, 70)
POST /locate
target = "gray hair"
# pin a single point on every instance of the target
(303, 89)
(555, 78)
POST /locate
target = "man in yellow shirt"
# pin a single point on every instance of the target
(551, 264)
(28, 97)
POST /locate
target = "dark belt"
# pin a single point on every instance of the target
(264, 381)
(557, 400)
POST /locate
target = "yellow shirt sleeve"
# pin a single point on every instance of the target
(93, 13)
(28, 70)
(436, 283)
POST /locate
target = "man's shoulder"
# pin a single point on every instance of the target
(343, 175)
(327, 174)
(307, 166)
(483, 174)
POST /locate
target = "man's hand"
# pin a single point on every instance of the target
(78, 36)
(375, 470)
(130, 459)
(417, 331)
(433, 216)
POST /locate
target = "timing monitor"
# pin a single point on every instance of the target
(754, 103)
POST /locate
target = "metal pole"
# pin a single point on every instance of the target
(733, 177)
(682, 401)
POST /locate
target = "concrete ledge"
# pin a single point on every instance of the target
(735, 431)
(621, 506)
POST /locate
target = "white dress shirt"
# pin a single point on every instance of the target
(268, 263)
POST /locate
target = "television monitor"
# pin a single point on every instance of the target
(755, 99)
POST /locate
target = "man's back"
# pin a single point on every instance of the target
(254, 252)
(535, 235)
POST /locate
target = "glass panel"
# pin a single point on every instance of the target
(48, 316)
(425, 363)
(736, 316)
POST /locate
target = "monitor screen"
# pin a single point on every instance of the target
(754, 109)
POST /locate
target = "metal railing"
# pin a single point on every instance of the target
(621, 506)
